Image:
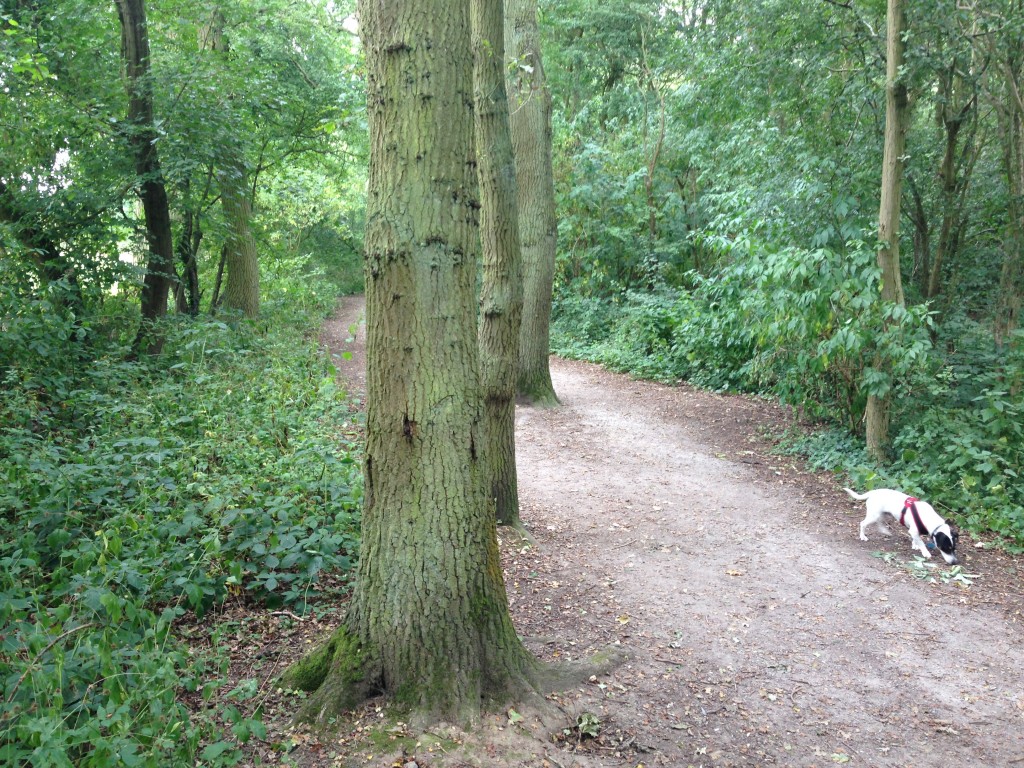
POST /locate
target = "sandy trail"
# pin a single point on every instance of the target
(762, 630)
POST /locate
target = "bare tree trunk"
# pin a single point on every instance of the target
(1009, 57)
(186, 294)
(218, 280)
(530, 111)
(897, 111)
(429, 620)
(501, 299)
(654, 153)
(242, 291)
(160, 258)
(956, 110)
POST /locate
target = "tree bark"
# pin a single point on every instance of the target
(186, 294)
(142, 137)
(530, 122)
(897, 109)
(956, 110)
(242, 289)
(501, 298)
(1009, 55)
(428, 621)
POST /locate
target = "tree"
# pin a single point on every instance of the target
(955, 65)
(897, 110)
(142, 138)
(429, 620)
(530, 108)
(501, 299)
(1005, 40)
(242, 291)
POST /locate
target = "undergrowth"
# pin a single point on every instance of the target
(134, 492)
(805, 326)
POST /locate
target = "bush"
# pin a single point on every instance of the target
(807, 326)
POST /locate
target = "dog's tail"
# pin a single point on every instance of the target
(857, 496)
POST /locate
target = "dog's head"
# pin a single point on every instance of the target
(946, 538)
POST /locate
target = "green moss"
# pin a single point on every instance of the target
(340, 655)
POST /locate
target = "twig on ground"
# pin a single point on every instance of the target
(287, 613)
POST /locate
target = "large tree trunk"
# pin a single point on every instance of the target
(429, 620)
(160, 259)
(501, 298)
(897, 110)
(1009, 55)
(530, 107)
(242, 289)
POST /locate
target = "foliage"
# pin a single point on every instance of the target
(133, 492)
(718, 179)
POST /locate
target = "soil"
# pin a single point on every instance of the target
(760, 630)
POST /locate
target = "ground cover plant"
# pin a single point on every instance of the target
(136, 492)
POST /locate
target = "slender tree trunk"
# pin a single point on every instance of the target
(530, 110)
(501, 298)
(186, 295)
(897, 110)
(428, 621)
(653, 153)
(218, 281)
(922, 237)
(955, 169)
(160, 258)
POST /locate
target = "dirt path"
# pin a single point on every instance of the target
(762, 630)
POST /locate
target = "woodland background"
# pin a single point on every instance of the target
(717, 169)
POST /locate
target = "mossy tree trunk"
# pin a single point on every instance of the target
(242, 288)
(428, 622)
(530, 108)
(897, 109)
(501, 297)
(142, 137)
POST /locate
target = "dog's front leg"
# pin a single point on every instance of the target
(918, 543)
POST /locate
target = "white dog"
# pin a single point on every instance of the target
(919, 517)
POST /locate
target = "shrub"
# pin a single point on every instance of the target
(132, 492)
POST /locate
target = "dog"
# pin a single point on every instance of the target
(919, 517)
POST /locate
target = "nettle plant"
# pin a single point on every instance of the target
(134, 492)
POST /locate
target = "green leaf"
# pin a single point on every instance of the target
(216, 749)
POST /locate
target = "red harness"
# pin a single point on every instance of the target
(911, 505)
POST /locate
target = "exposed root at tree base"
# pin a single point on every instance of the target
(340, 677)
